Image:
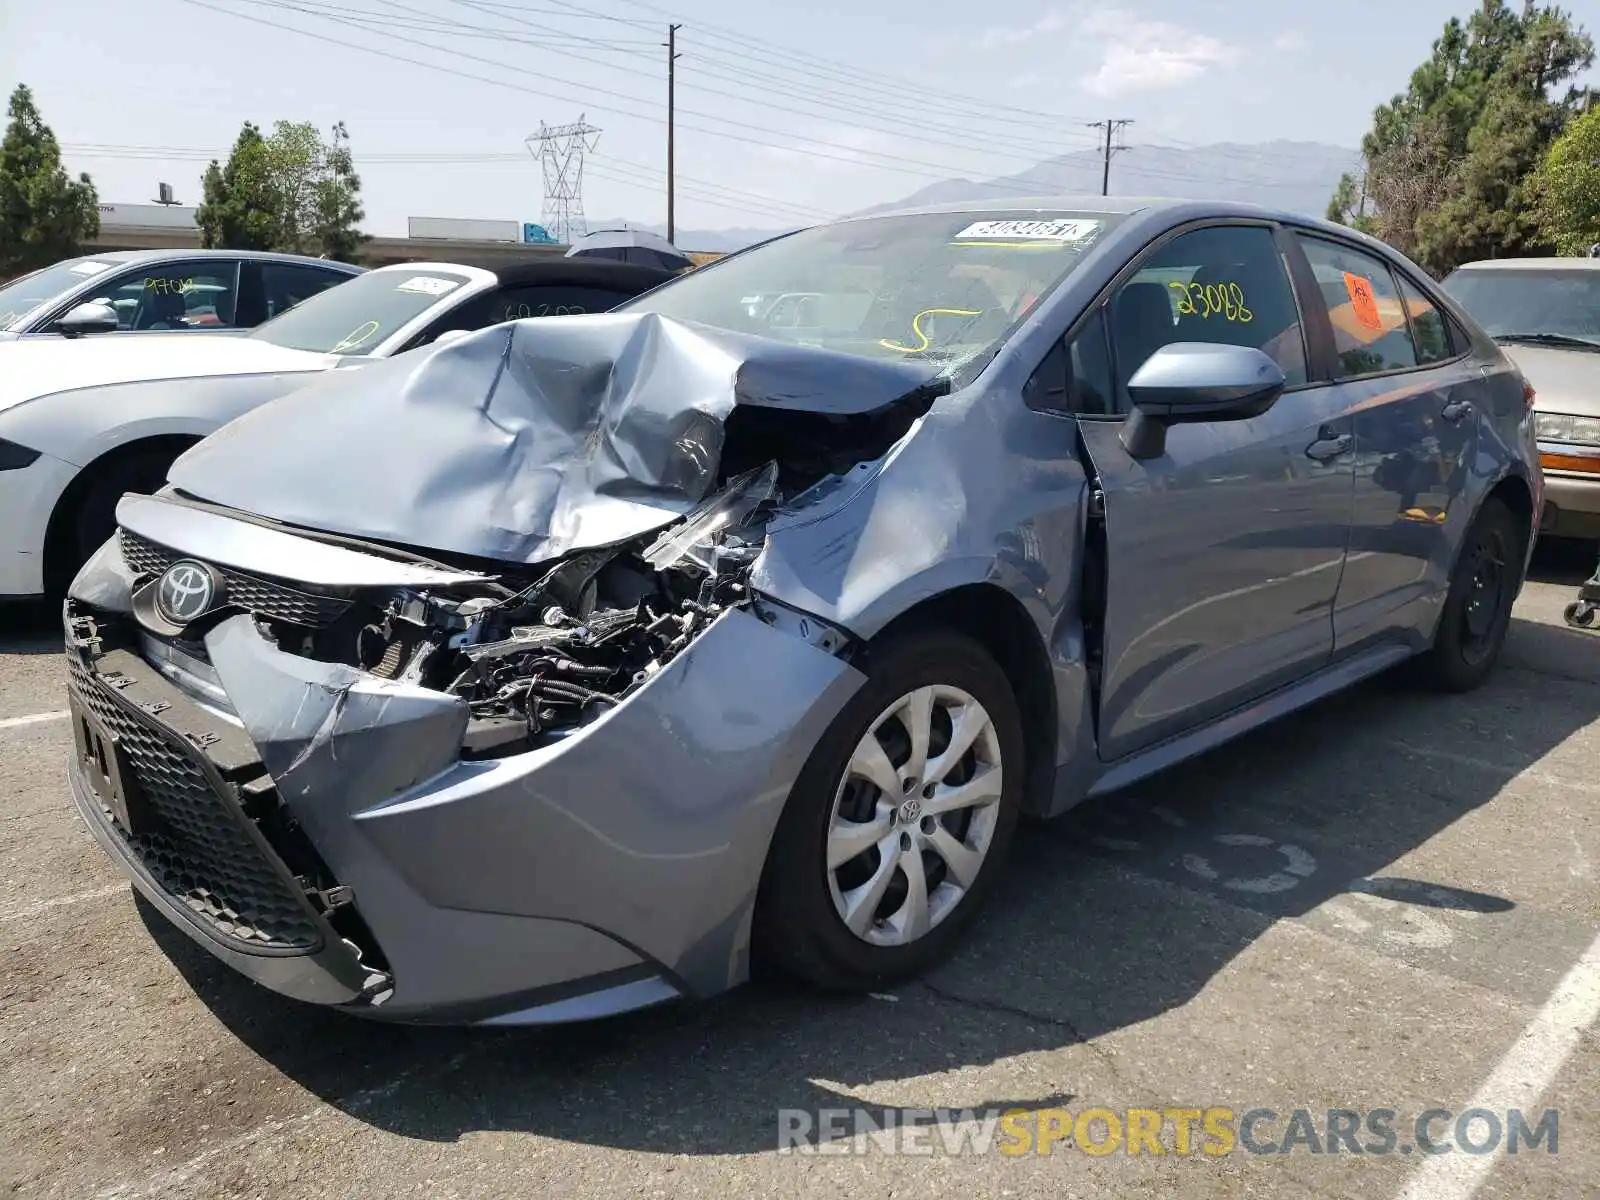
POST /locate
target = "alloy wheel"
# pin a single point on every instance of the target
(914, 815)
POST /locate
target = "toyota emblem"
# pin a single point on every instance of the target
(187, 590)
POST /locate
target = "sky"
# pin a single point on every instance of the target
(786, 114)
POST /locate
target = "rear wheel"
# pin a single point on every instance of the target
(1477, 610)
(900, 820)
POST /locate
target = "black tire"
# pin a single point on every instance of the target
(797, 928)
(1477, 610)
(95, 517)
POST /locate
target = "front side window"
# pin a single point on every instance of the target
(1522, 304)
(1225, 284)
(358, 316)
(1370, 331)
(938, 288)
(170, 296)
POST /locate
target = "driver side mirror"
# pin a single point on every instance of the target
(93, 317)
(1187, 382)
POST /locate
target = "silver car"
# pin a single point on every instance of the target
(1546, 313)
(130, 291)
(571, 666)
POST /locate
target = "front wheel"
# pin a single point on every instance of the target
(900, 820)
(1477, 610)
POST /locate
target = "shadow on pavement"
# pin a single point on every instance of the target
(30, 627)
(1119, 912)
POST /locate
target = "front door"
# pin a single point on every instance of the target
(1415, 398)
(1223, 554)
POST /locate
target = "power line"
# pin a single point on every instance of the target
(813, 147)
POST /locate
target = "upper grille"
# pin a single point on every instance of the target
(205, 852)
(268, 598)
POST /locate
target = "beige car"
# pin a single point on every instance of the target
(1545, 313)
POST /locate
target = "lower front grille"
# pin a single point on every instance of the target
(197, 842)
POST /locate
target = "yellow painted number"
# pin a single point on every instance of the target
(1225, 300)
(169, 287)
(916, 328)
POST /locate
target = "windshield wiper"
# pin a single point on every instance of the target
(1550, 339)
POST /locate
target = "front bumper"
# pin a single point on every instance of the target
(323, 838)
(28, 496)
(1571, 490)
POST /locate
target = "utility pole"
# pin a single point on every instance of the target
(672, 72)
(1110, 126)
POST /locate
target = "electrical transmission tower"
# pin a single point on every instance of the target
(560, 149)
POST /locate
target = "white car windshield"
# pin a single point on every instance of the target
(21, 296)
(361, 314)
(1554, 304)
(943, 288)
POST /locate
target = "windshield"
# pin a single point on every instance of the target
(22, 296)
(359, 315)
(943, 288)
(1507, 301)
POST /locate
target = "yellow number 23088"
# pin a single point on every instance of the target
(1225, 300)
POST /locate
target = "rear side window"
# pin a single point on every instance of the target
(1226, 284)
(1370, 332)
(1430, 330)
(287, 284)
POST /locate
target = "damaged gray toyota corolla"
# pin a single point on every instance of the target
(567, 667)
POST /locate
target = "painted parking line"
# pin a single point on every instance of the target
(1520, 1079)
(33, 719)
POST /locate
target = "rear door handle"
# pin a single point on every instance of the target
(1326, 448)
(1456, 410)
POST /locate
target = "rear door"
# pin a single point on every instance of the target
(1223, 554)
(1415, 393)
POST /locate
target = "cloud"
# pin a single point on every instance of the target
(1289, 41)
(999, 36)
(1145, 55)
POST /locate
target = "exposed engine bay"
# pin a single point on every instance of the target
(537, 661)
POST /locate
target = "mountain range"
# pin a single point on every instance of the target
(1297, 176)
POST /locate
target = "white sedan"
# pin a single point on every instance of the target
(84, 421)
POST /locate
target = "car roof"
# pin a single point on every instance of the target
(159, 256)
(1533, 264)
(574, 272)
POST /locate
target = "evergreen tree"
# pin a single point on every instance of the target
(45, 215)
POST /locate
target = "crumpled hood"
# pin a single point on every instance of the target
(34, 367)
(529, 439)
(1565, 381)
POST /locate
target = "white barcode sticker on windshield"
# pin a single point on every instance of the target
(89, 268)
(428, 285)
(1073, 230)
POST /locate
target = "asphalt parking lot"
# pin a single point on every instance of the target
(1389, 901)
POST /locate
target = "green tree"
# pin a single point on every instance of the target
(1569, 187)
(239, 209)
(291, 191)
(1452, 162)
(45, 215)
(1349, 203)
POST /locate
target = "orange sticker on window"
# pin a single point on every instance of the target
(1362, 300)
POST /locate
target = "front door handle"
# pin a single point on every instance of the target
(1327, 448)
(1456, 410)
